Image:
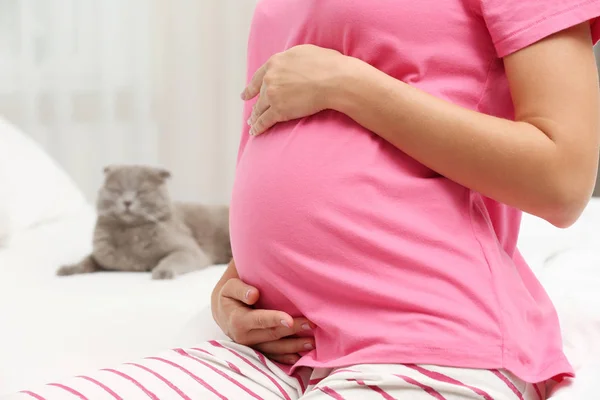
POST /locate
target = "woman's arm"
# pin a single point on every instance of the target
(544, 163)
(271, 332)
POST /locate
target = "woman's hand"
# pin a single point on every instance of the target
(293, 84)
(270, 332)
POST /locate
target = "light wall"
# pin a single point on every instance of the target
(136, 81)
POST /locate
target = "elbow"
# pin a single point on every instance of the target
(565, 188)
(565, 217)
(565, 207)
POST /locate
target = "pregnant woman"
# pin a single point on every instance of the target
(390, 148)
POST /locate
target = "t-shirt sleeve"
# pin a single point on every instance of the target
(516, 24)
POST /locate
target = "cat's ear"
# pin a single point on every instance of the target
(163, 174)
(108, 169)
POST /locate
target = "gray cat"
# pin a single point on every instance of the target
(139, 228)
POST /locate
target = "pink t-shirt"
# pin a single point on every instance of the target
(393, 262)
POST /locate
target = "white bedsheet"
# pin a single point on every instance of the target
(54, 327)
(572, 279)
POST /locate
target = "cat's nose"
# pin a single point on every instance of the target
(127, 203)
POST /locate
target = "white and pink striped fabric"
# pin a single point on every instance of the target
(225, 370)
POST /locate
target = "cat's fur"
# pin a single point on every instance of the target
(139, 228)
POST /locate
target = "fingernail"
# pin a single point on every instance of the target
(308, 346)
(284, 323)
(291, 360)
(252, 132)
(305, 327)
(243, 95)
(247, 294)
(249, 122)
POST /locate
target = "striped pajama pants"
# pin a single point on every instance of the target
(226, 370)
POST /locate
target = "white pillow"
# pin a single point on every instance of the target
(33, 188)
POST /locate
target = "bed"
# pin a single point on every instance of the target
(53, 327)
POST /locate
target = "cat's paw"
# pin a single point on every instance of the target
(163, 274)
(67, 270)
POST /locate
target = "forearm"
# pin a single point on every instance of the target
(515, 163)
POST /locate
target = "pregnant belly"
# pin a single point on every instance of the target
(324, 211)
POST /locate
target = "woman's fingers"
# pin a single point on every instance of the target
(240, 291)
(280, 321)
(302, 325)
(243, 323)
(264, 122)
(249, 327)
(255, 84)
(288, 359)
(265, 319)
(270, 334)
(260, 107)
(286, 346)
(286, 349)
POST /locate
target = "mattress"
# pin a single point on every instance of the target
(53, 327)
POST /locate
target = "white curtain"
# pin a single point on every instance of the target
(129, 81)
